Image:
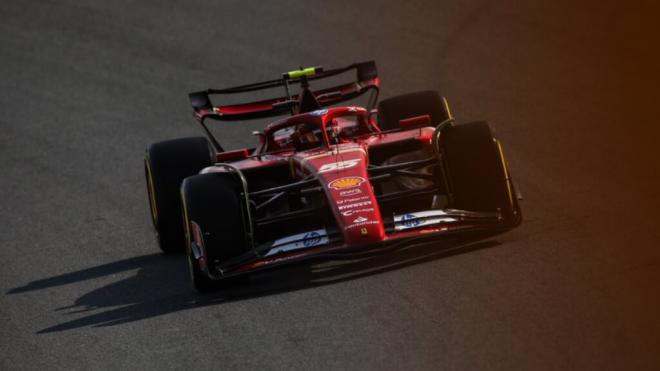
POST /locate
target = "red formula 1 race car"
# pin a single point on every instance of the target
(325, 182)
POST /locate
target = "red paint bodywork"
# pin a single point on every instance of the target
(338, 166)
(347, 188)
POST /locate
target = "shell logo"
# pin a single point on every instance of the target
(347, 182)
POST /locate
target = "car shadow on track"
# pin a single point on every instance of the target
(161, 285)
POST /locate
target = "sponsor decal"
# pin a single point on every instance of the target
(361, 224)
(319, 112)
(421, 218)
(360, 219)
(364, 231)
(299, 241)
(313, 153)
(352, 206)
(354, 199)
(311, 239)
(350, 192)
(353, 212)
(409, 220)
(341, 165)
(346, 182)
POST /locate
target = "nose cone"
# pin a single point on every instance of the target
(343, 175)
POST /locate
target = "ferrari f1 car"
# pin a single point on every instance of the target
(327, 180)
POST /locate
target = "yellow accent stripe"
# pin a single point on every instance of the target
(446, 106)
(506, 173)
(309, 71)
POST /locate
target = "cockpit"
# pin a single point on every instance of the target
(308, 132)
(347, 127)
(296, 137)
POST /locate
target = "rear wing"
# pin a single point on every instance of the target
(366, 80)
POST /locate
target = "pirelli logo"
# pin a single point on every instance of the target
(352, 206)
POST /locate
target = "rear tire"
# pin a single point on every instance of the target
(392, 110)
(477, 171)
(213, 202)
(166, 164)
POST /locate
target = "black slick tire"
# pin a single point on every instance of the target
(166, 164)
(392, 110)
(213, 203)
(477, 171)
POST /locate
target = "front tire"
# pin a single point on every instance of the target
(429, 102)
(477, 171)
(214, 217)
(166, 164)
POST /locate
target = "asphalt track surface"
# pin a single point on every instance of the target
(570, 89)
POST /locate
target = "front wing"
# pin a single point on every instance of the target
(417, 228)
